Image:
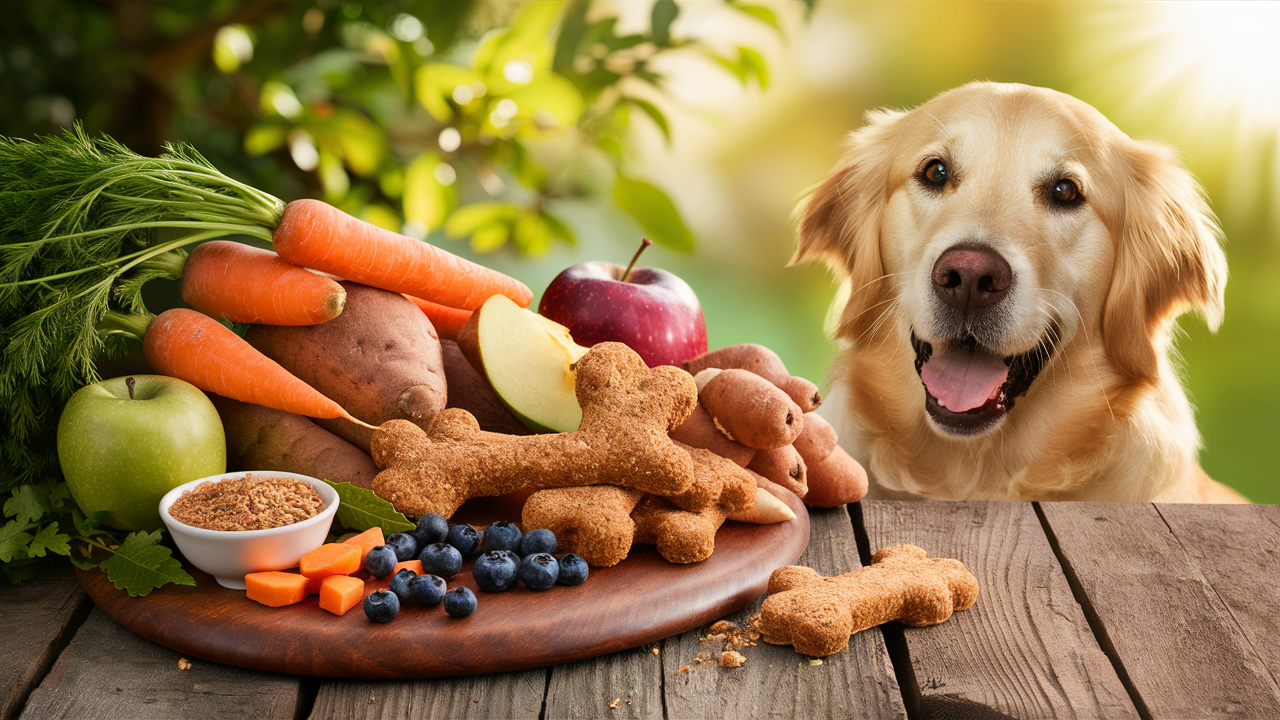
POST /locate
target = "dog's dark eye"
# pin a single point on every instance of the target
(1065, 192)
(935, 173)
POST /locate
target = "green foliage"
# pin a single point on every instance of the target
(361, 509)
(654, 211)
(141, 564)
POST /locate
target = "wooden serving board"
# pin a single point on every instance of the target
(642, 599)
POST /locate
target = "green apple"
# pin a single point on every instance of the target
(528, 360)
(123, 443)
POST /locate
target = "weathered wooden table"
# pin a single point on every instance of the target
(1086, 610)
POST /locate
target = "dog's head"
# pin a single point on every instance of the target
(997, 224)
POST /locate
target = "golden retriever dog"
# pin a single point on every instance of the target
(1014, 266)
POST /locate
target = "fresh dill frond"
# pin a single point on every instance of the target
(80, 222)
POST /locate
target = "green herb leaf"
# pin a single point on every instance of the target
(14, 540)
(361, 509)
(141, 564)
(28, 503)
(50, 540)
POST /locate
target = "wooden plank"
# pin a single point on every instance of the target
(1183, 653)
(1025, 648)
(1237, 550)
(776, 681)
(585, 689)
(503, 695)
(108, 672)
(39, 617)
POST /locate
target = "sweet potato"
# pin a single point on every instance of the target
(471, 391)
(751, 410)
(330, 559)
(764, 362)
(834, 478)
(367, 540)
(276, 589)
(260, 438)
(340, 593)
(783, 466)
(699, 430)
(380, 359)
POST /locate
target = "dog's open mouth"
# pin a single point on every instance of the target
(968, 389)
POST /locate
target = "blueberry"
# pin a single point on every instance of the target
(381, 606)
(466, 539)
(432, 528)
(405, 546)
(502, 535)
(441, 559)
(400, 583)
(380, 561)
(428, 590)
(459, 602)
(495, 571)
(573, 570)
(538, 572)
(537, 541)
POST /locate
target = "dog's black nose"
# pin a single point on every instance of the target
(971, 277)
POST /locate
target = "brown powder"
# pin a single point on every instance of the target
(247, 504)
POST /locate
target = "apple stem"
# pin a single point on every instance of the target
(129, 383)
(646, 242)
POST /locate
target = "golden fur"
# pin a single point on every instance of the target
(1107, 418)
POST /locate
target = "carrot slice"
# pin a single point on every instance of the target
(447, 321)
(275, 589)
(331, 559)
(367, 540)
(245, 284)
(414, 565)
(340, 593)
(317, 235)
(194, 347)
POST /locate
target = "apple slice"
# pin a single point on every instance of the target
(528, 360)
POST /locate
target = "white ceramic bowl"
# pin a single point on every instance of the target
(229, 555)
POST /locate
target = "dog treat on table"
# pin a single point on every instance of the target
(627, 411)
(783, 466)
(817, 614)
(751, 410)
(832, 476)
(764, 362)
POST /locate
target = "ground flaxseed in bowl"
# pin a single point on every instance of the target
(247, 503)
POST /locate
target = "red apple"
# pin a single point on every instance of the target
(652, 311)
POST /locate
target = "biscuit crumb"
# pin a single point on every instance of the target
(184, 664)
(732, 659)
(614, 705)
(627, 702)
(655, 652)
(722, 626)
(683, 668)
(814, 661)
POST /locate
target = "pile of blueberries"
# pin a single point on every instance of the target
(503, 556)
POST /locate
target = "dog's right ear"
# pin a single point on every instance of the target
(840, 221)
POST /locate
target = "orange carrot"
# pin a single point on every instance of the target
(340, 593)
(331, 559)
(447, 321)
(245, 284)
(317, 235)
(414, 565)
(190, 346)
(367, 540)
(275, 589)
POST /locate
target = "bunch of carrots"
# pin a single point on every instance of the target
(244, 284)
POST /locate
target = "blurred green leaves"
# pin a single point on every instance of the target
(654, 211)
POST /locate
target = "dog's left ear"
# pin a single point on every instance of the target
(840, 220)
(1168, 259)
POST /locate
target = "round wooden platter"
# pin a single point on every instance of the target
(642, 599)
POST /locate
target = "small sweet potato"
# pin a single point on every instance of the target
(260, 438)
(471, 391)
(834, 477)
(700, 431)
(751, 410)
(764, 362)
(380, 359)
(783, 466)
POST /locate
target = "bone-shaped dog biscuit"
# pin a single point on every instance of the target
(627, 411)
(818, 614)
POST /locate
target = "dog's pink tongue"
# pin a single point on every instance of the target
(963, 379)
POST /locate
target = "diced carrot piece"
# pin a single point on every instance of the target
(340, 593)
(414, 565)
(331, 559)
(275, 589)
(313, 585)
(367, 540)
